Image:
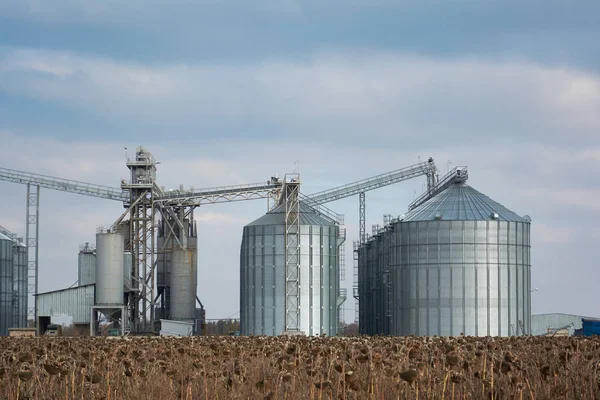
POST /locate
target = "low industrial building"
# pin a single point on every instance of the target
(74, 302)
(556, 324)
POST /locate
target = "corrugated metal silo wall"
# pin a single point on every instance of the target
(375, 286)
(6, 286)
(363, 293)
(127, 267)
(184, 281)
(262, 280)
(86, 268)
(109, 268)
(20, 289)
(454, 277)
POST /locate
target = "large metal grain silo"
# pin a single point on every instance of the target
(364, 293)
(183, 276)
(86, 265)
(109, 268)
(20, 287)
(263, 274)
(463, 267)
(6, 284)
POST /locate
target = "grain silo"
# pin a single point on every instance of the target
(263, 274)
(6, 284)
(86, 265)
(20, 286)
(183, 275)
(163, 270)
(109, 270)
(460, 263)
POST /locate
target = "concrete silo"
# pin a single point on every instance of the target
(459, 263)
(263, 274)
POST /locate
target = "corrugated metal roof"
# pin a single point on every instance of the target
(463, 203)
(277, 217)
(5, 237)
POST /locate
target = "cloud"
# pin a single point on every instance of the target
(505, 175)
(403, 99)
(527, 131)
(545, 234)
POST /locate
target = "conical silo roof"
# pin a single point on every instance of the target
(276, 216)
(460, 202)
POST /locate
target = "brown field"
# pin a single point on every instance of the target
(300, 368)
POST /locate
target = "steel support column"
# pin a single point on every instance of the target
(32, 240)
(292, 252)
(361, 217)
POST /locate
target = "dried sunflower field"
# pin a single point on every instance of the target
(300, 368)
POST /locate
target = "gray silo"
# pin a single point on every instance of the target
(364, 293)
(20, 287)
(86, 265)
(183, 276)
(6, 284)
(263, 274)
(163, 270)
(461, 264)
(127, 266)
(109, 269)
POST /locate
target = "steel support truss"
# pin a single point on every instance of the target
(456, 175)
(291, 190)
(173, 235)
(32, 242)
(225, 194)
(142, 228)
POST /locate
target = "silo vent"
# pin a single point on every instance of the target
(495, 216)
(438, 217)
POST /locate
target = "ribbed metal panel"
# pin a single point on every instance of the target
(109, 268)
(86, 267)
(75, 302)
(460, 202)
(183, 282)
(449, 276)
(127, 265)
(20, 289)
(546, 324)
(364, 294)
(262, 275)
(6, 286)
(184, 279)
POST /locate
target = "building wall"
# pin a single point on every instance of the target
(540, 323)
(74, 302)
(263, 280)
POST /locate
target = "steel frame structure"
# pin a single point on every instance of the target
(32, 234)
(364, 185)
(291, 190)
(456, 175)
(145, 201)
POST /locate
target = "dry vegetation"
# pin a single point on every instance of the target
(299, 368)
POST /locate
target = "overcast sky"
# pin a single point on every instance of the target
(229, 92)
